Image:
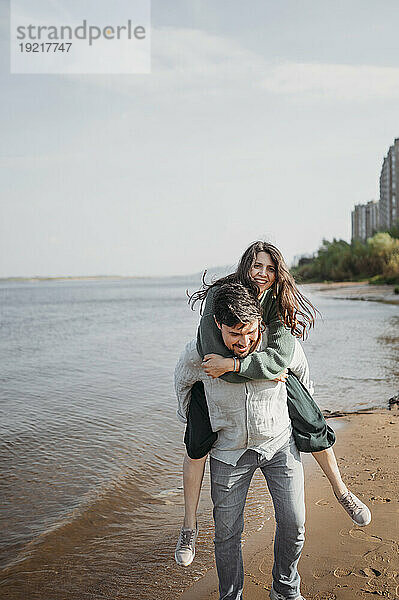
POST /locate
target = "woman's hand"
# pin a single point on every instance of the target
(215, 365)
(282, 377)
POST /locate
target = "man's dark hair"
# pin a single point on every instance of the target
(234, 303)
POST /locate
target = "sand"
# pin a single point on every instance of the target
(340, 560)
(353, 290)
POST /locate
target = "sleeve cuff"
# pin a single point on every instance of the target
(181, 418)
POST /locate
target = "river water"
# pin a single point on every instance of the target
(91, 451)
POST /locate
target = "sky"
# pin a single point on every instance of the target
(261, 121)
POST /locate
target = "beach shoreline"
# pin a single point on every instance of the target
(353, 290)
(340, 560)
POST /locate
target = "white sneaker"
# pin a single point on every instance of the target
(185, 547)
(276, 596)
(356, 509)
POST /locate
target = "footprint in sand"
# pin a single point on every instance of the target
(374, 584)
(359, 534)
(343, 532)
(369, 572)
(320, 573)
(379, 588)
(340, 572)
(392, 575)
(265, 566)
(322, 502)
(360, 573)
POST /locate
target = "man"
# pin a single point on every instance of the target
(254, 431)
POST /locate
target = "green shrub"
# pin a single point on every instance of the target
(377, 260)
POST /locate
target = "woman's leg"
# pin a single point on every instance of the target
(356, 509)
(199, 439)
(193, 473)
(310, 432)
(329, 466)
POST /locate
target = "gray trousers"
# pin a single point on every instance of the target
(229, 488)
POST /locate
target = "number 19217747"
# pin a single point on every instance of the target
(45, 47)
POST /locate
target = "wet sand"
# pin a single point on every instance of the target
(340, 560)
(353, 290)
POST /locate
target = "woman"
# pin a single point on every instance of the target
(287, 315)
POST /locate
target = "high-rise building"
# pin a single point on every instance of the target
(365, 221)
(389, 188)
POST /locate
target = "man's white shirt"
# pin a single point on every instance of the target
(249, 415)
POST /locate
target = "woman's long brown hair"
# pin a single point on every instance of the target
(295, 311)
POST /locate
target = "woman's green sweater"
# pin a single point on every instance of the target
(267, 364)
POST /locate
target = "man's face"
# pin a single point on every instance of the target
(241, 339)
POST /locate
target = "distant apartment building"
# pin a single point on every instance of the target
(365, 220)
(389, 188)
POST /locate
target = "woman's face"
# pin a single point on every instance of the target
(263, 271)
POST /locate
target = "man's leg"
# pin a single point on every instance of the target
(284, 476)
(229, 487)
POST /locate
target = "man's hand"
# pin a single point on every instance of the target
(282, 377)
(215, 365)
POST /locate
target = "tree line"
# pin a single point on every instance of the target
(376, 260)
